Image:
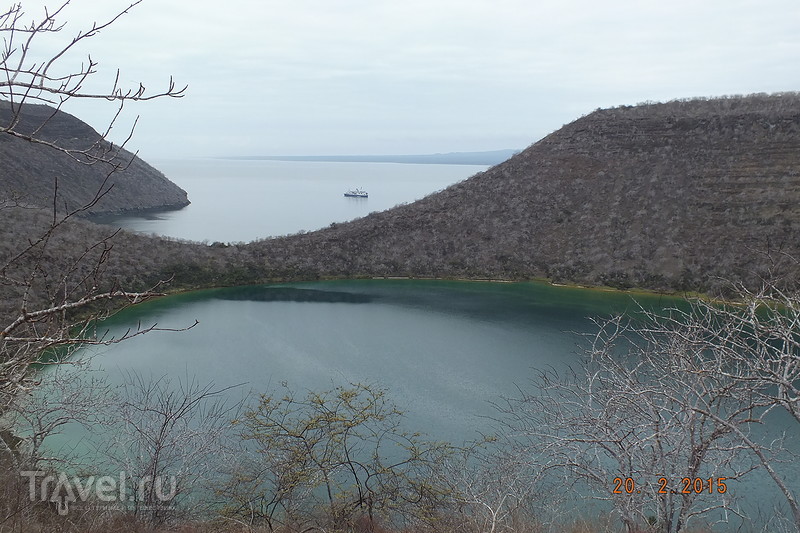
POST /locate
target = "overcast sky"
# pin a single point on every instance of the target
(283, 77)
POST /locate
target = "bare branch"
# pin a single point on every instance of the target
(25, 80)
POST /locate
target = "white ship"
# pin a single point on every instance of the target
(356, 193)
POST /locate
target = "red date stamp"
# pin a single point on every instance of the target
(687, 485)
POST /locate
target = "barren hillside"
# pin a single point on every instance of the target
(668, 195)
(29, 171)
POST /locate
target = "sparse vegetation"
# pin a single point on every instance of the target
(448, 235)
(674, 196)
(38, 175)
(667, 196)
(664, 402)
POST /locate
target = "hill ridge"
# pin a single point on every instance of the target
(689, 196)
(29, 170)
(658, 196)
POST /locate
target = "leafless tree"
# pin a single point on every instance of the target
(53, 76)
(636, 426)
(167, 437)
(668, 410)
(65, 395)
(492, 488)
(332, 458)
(56, 293)
(754, 347)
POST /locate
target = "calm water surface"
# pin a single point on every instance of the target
(235, 200)
(443, 349)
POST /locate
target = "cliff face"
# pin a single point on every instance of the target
(662, 196)
(29, 171)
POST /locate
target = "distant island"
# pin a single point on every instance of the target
(492, 157)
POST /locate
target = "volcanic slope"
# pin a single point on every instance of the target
(32, 172)
(679, 196)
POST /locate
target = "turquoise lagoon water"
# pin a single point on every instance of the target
(445, 351)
